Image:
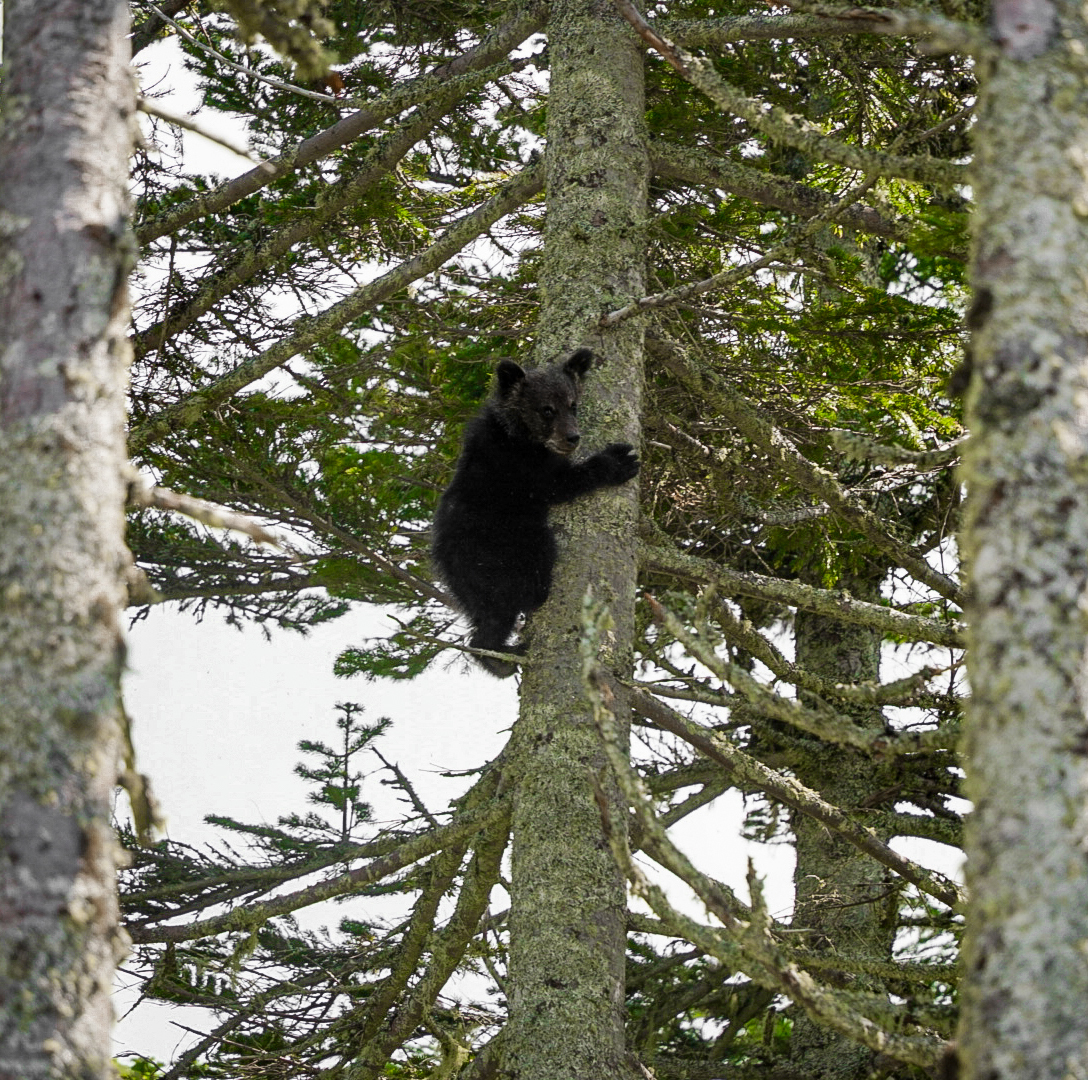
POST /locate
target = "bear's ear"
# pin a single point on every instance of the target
(510, 374)
(578, 363)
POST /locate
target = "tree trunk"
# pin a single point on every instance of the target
(1025, 543)
(567, 934)
(844, 903)
(65, 141)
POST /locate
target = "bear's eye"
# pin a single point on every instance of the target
(548, 412)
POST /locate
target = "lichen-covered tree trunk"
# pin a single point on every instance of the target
(567, 929)
(845, 904)
(1025, 544)
(65, 141)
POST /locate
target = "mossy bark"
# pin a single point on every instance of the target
(845, 904)
(65, 142)
(567, 927)
(1025, 545)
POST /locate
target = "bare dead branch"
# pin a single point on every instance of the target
(208, 513)
(662, 557)
(252, 915)
(786, 789)
(153, 108)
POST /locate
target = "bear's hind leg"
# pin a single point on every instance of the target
(491, 631)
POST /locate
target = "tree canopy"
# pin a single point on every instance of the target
(768, 250)
(755, 217)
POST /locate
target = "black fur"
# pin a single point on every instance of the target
(493, 546)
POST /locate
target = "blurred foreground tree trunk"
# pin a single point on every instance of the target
(1025, 542)
(67, 112)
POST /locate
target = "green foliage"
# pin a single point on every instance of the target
(241, 971)
(140, 1069)
(337, 786)
(143, 1068)
(292, 27)
(853, 324)
(402, 655)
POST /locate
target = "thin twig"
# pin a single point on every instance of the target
(278, 84)
(152, 108)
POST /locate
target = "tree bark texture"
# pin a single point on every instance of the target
(1025, 543)
(841, 894)
(65, 140)
(567, 933)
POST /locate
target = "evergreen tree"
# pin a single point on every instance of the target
(757, 221)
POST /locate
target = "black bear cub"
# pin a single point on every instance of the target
(493, 546)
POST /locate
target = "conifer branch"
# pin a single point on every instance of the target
(660, 557)
(208, 513)
(248, 918)
(249, 73)
(244, 261)
(153, 108)
(817, 481)
(905, 692)
(818, 719)
(936, 33)
(733, 274)
(445, 947)
(693, 165)
(752, 774)
(526, 20)
(747, 942)
(312, 329)
(789, 128)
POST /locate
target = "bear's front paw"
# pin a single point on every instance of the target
(623, 460)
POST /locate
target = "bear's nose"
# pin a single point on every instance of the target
(573, 439)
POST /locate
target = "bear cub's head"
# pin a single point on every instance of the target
(541, 406)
